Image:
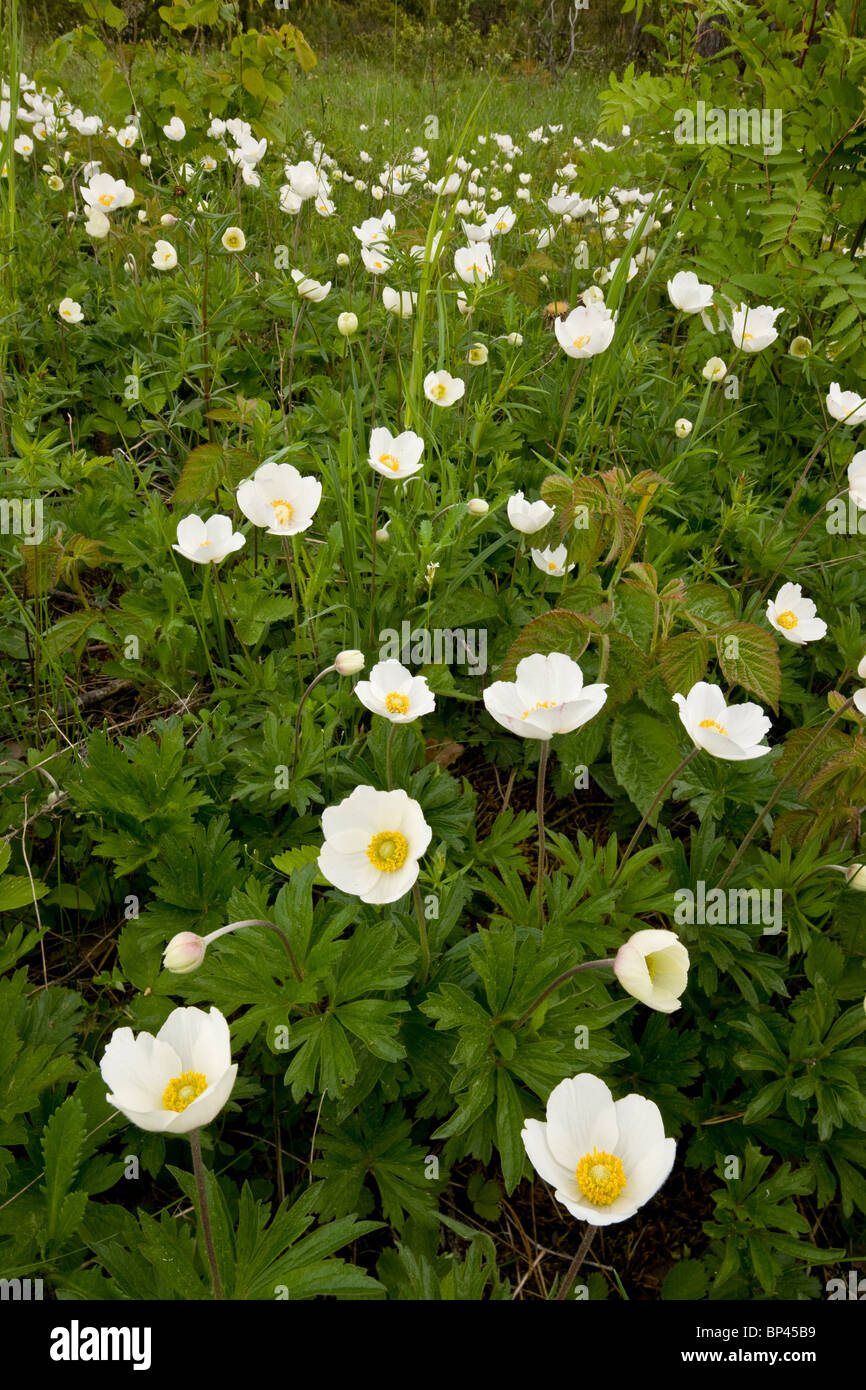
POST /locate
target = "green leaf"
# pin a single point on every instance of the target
(644, 753)
(749, 657)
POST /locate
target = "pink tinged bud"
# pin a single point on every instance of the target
(184, 953)
(349, 663)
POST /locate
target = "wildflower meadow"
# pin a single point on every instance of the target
(433, 679)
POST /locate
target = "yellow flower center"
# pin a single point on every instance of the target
(439, 390)
(283, 511)
(787, 620)
(501, 226)
(542, 704)
(582, 341)
(551, 565)
(714, 724)
(390, 461)
(747, 337)
(106, 199)
(397, 704)
(387, 851)
(233, 241)
(651, 968)
(600, 1177)
(182, 1090)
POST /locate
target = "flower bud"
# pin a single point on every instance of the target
(347, 324)
(683, 428)
(477, 506)
(382, 535)
(800, 347)
(350, 662)
(342, 259)
(167, 220)
(856, 876)
(515, 339)
(184, 953)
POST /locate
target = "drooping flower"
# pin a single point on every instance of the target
(653, 966)
(754, 329)
(176, 1081)
(528, 517)
(688, 294)
(207, 542)
(280, 498)
(442, 388)
(395, 456)
(373, 841)
(731, 732)
(552, 560)
(714, 369)
(846, 405)
(310, 289)
(546, 697)
(794, 616)
(604, 1159)
(395, 693)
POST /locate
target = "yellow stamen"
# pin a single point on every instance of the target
(387, 851)
(182, 1090)
(283, 511)
(397, 704)
(600, 1177)
(714, 724)
(542, 704)
(390, 461)
(788, 620)
(106, 199)
(582, 341)
(439, 390)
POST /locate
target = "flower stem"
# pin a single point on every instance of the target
(313, 683)
(656, 803)
(539, 807)
(261, 922)
(759, 819)
(566, 411)
(422, 933)
(574, 1267)
(560, 979)
(388, 755)
(201, 1188)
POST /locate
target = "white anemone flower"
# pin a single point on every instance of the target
(753, 329)
(233, 239)
(374, 258)
(70, 310)
(794, 616)
(280, 498)
(207, 542)
(164, 256)
(732, 732)
(846, 405)
(106, 194)
(604, 1159)
(175, 130)
(374, 231)
(443, 389)
(395, 693)
(857, 479)
(395, 456)
(546, 697)
(474, 264)
(653, 966)
(373, 841)
(176, 1081)
(688, 294)
(528, 517)
(551, 561)
(399, 302)
(310, 289)
(502, 220)
(587, 330)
